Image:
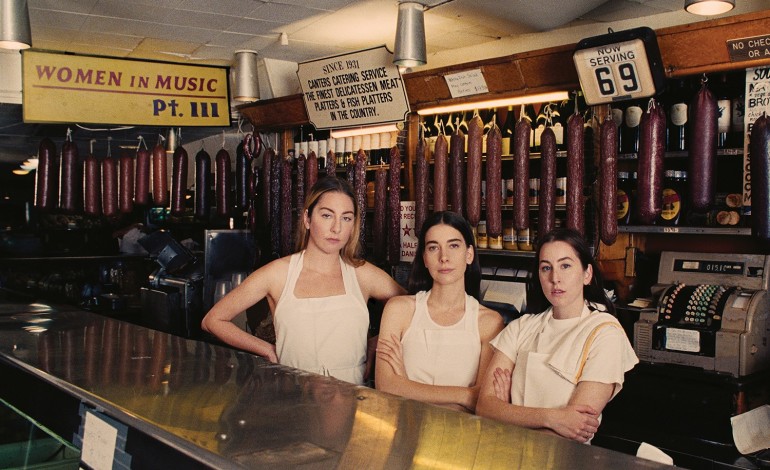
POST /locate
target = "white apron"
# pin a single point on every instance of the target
(325, 335)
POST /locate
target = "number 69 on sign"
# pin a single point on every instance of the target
(614, 72)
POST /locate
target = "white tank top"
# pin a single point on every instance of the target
(325, 335)
(442, 355)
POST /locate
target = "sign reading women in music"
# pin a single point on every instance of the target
(83, 89)
(351, 90)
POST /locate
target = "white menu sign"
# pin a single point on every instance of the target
(351, 90)
(757, 102)
(466, 83)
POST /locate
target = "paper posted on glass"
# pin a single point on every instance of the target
(504, 292)
(751, 430)
(408, 232)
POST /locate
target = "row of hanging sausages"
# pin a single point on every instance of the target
(282, 197)
(111, 186)
(457, 176)
(450, 192)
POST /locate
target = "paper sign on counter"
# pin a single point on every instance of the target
(750, 430)
(99, 441)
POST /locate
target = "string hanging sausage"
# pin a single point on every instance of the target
(473, 174)
(331, 163)
(350, 168)
(440, 173)
(126, 187)
(47, 180)
(223, 195)
(286, 213)
(70, 183)
(575, 172)
(253, 171)
(547, 210)
(202, 184)
(178, 181)
(267, 184)
(760, 177)
(456, 170)
(109, 187)
(311, 170)
(494, 197)
(300, 189)
(394, 207)
(275, 203)
(92, 186)
(379, 232)
(702, 157)
(243, 173)
(521, 137)
(608, 181)
(142, 179)
(652, 150)
(360, 192)
(421, 187)
(159, 176)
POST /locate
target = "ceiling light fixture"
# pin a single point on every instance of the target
(410, 35)
(15, 31)
(245, 84)
(497, 103)
(365, 130)
(709, 7)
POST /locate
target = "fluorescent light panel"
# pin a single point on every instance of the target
(349, 132)
(497, 103)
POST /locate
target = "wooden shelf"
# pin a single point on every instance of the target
(740, 231)
(685, 154)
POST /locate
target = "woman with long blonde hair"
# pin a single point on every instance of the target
(318, 296)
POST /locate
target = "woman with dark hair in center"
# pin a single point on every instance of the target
(434, 344)
(557, 366)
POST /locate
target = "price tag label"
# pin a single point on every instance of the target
(466, 83)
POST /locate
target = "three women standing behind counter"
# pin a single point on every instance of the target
(318, 296)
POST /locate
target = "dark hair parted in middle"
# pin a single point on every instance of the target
(420, 278)
(593, 292)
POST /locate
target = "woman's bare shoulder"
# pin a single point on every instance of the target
(490, 320)
(401, 302)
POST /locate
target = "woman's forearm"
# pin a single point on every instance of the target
(436, 394)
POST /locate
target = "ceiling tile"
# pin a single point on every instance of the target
(282, 14)
(223, 7)
(76, 6)
(54, 19)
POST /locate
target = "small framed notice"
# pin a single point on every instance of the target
(466, 83)
(678, 339)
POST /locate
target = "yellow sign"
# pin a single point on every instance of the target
(81, 89)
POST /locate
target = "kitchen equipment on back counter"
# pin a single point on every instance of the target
(173, 301)
(711, 313)
(230, 256)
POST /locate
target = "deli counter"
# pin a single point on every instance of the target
(131, 397)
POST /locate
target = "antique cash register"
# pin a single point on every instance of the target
(711, 313)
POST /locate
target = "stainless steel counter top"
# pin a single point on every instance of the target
(228, 409)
